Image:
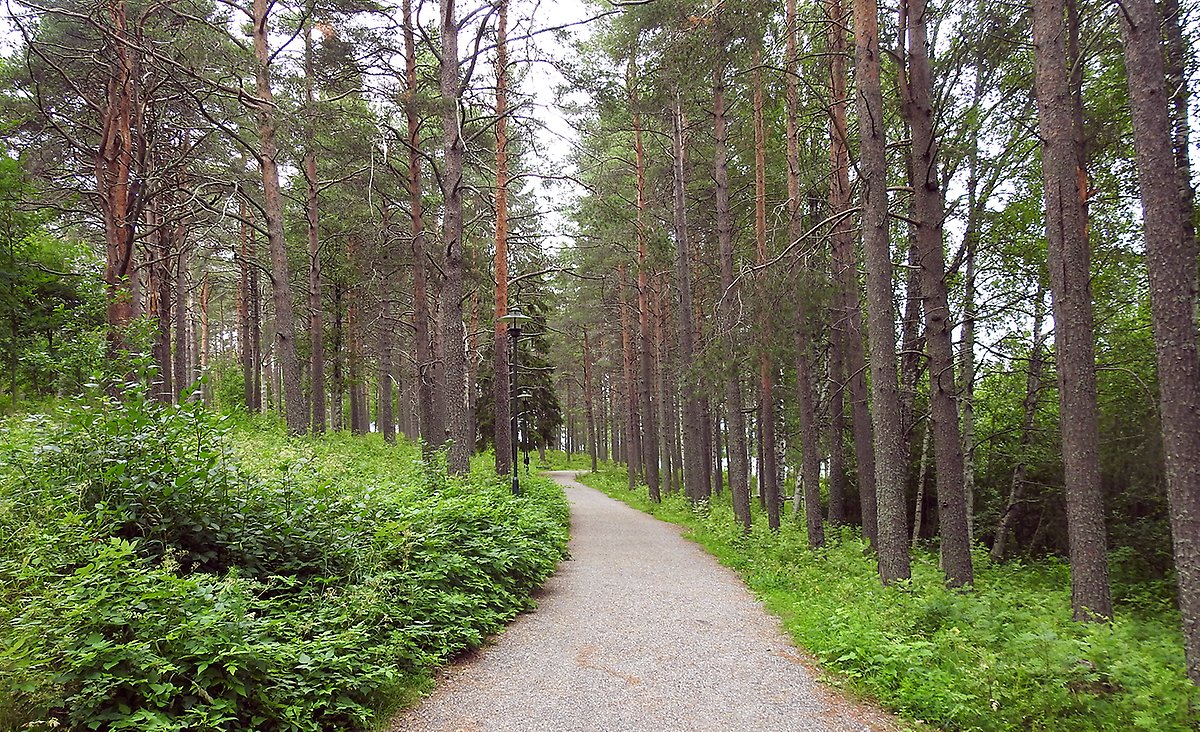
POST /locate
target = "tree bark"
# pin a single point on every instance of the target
(694, 475)
(285, 324)
(180, 312)
(928, 207)
(769, 469)
(808, 488)
(650, 451)
(890, 461)
(589, 400)
(502, 429)
(431, 430)
(1033, 388)
(114, 162)
(1171, 261)
(1070, 267)
(386, 367)
(316, 334)
(632, 442)
(454, 266)
(735, 419)
(847, 361)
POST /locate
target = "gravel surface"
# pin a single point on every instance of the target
(640, 630)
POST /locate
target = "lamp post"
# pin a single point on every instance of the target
(513, 319)
(524, 397)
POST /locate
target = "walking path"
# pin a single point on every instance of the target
(640, 631)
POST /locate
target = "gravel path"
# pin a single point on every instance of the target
(641, 630)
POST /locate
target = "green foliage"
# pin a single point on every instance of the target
(1004, 656)
(162, 568)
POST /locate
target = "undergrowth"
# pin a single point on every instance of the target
(1004, 656)
(163, 568)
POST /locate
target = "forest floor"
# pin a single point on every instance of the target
(639, 630)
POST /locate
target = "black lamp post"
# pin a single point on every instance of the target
(513, 318)
(525, 396)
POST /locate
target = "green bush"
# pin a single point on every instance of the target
(1004, 656)
(162, 568)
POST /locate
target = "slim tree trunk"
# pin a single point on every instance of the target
(589, 400)
(454, 266)
(890, 461)
(1171, 261)
(1033, 388)
(114, 164)
(338, 337)
(735, 419)
(1074, 344)
(160, 295)
(285, 324)
(922, 479)
(316, 330)
(928, 205)
(247, 336)
(431, 430)
(769, 469)
(847, 361)
(650, 452)
(502, 429)
(386, 368)
(694, 475)
(180, 312)
(808, 493)
(632, 442)
(1177, 55)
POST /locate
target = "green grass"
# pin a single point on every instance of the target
(1005, 656)
(166, 569)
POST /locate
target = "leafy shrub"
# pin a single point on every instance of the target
(1004, 656)
(162, 568)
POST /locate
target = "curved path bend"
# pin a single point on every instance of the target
(641, 631)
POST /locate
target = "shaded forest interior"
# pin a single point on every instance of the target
(924, 269)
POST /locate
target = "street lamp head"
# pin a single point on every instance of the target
(514, 319)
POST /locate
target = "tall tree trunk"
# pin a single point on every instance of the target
(114, 165)
(1171, 261)
(735, 419)
(160, 296)
(769, 468)
(502, 429)
(658, 314)
(589, 400)
(1033, 388)
(386, 369)
(808, 493)
(256, 318)
(316, 330)
(1177, 55)
(245, 302)
(180, 312)
(338, 337)
(633, 457)
(650, 452)
(928, 205)
(431, 430)
(1070, 268)
(203, 350)
(694, 475)
(890, 460)
(922, 479)
(454, 267)
(285, 324)
(847, 361)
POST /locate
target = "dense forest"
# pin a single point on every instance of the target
(905, 283)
